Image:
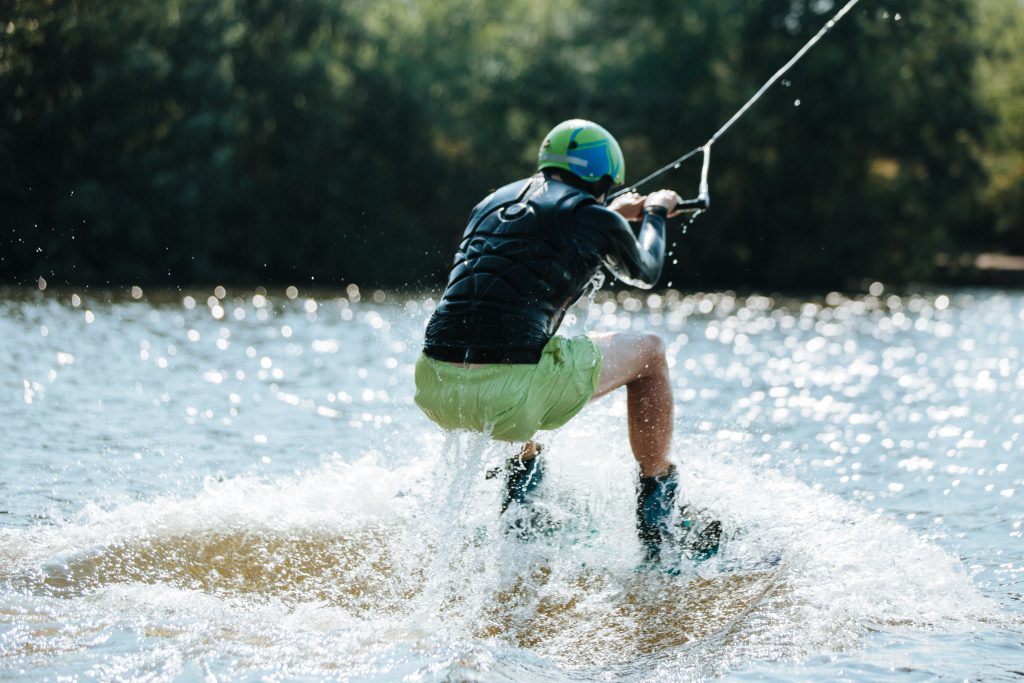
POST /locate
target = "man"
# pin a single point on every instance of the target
(491, 361)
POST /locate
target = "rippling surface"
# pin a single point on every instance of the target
(236, 484)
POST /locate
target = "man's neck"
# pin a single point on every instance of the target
(556, 176)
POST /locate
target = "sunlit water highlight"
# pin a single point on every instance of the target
(238, 485)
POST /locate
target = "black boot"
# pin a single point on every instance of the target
(655, 498)
(527, 520)
(699, 543)
(522, 477)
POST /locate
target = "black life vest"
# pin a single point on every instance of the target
(518, 268)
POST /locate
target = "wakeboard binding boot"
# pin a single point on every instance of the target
(522, 478)
(656, 499)
(699, 542)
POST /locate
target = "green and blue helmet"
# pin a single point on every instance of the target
(584, 148)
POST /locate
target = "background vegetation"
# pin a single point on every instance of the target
(191, 141)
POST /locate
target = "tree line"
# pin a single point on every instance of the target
(335, 141)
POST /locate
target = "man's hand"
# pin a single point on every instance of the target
(666, 199)
(629, 205)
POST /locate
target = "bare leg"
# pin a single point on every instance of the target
(637, 361)
(530, 450)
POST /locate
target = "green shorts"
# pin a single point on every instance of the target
(511, 402)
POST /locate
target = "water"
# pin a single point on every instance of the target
(237, 485)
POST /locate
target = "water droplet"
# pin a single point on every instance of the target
(796, 103)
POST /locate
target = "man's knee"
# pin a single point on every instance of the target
(652, 348)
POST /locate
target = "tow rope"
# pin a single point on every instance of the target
(703, 199)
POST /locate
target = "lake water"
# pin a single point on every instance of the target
(237, 485)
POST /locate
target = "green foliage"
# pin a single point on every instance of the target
(346, 140)
(1001, 74)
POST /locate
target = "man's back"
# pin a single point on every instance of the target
(530, 250)
(519, 266)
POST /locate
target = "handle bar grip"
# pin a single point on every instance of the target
(701, 203)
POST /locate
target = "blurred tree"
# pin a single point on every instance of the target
(270, 140)
(1001, 75)
(858, 164)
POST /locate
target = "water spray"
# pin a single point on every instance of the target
(703, 200)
